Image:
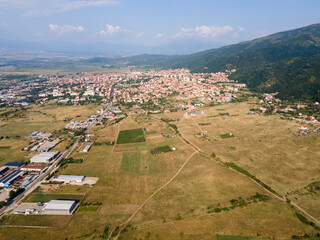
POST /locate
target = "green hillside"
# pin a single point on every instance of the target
(285, 62)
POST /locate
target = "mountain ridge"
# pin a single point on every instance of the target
(264, 64)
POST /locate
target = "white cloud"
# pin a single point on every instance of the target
(204, 31)
(241, 29)
(113, 30)
(35, 8)
(140, 34)
(65, 28)
(159, 35)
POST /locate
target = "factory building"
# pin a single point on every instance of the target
(15, 165)
(7, 180)
(48, 145)
(87, 148)
(45, 157)
(27, 180)
(68, 178)
(59, 207)
(3, 170)
(32, 168)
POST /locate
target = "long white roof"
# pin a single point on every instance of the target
(69, 177)
(59, 205)
(43, 156)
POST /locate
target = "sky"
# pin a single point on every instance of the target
(151, 22)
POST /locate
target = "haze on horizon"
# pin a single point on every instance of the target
(124, 27)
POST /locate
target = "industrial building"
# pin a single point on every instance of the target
(86, 148)
(44, 157)
(27, 180)
(3, 170)
(68, 178)
(14, 165)
(7, 180)
(59, 207)
(34, 134)
(32, 168)
(48, 144)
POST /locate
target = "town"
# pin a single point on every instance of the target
(154, 102)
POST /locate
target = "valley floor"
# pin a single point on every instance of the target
(181, 179)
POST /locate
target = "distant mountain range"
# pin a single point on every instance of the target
(286, 62)
(10, 47)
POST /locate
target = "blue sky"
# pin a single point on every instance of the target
(151, 22)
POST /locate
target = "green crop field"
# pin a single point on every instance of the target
(163, 149)
(130, 162)
(45, 197)
(131, 136)
(226, 135)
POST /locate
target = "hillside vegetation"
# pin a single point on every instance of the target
(285, 62)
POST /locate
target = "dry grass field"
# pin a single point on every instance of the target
(17, 125)
(186, 208)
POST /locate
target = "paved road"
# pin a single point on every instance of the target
(37, 182)
(30, 188)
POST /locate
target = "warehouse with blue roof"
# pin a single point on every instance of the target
(14, 164)
(8, 179)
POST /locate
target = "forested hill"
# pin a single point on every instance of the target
(286, 62)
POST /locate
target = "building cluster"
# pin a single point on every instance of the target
(137, 87)
(53, 207)
(152, 85)
(304, 130)
(77, 125)
(42, 143)
(14, 174)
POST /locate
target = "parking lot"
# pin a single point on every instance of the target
(28, 208)
(4, 193)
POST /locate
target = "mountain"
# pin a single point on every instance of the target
(285, 62)
(12, 47)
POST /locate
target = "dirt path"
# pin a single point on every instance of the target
(306, 213)
(123, 225)
(115, 141)
(271, 193)
(196, 150)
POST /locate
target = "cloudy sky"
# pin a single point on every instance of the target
(151, 22)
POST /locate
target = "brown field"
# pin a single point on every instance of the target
(263, 145)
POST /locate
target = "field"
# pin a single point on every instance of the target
(130, 162)
(225, 237)
(226, 135)
(38, 221)
(189, 193)
(46, 197)
(131, 136)
(17, 123)
(163, 149)
(89, 208)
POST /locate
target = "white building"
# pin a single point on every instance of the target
(86, 148)
(44, 157)
(68, 178)
(59, 207)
